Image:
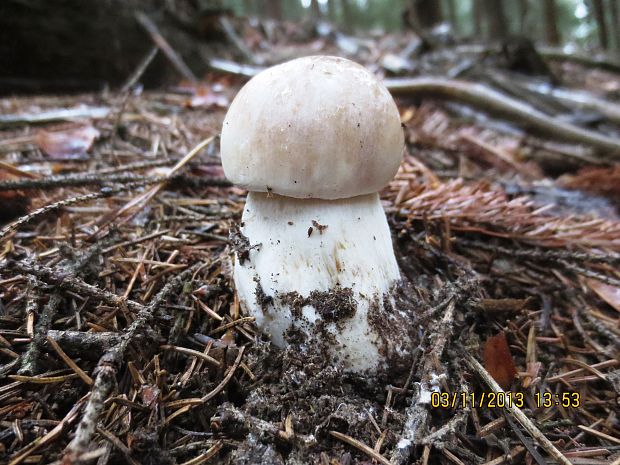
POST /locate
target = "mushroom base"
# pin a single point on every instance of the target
(323, 271)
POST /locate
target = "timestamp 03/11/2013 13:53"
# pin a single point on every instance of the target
(503, 399)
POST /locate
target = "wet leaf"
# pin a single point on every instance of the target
(498, 360)
(70, 143)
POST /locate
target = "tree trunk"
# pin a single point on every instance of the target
(315, 9)
(78, 45)
(477, 18)
(427, 12)
(347, 15)
(614, 7)
(497, 26)
(522, 7)
(274, 9)
(248, 8)
(64, 45)
(552, 35)
(599, 16)
(453, 16)
(331, 10)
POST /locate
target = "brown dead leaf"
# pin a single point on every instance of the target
(498, 360)
(149, 395)
(70, 143)
(607, 292)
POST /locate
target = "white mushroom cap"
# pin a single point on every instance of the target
(315, 127)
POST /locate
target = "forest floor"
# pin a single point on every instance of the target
(121, 340)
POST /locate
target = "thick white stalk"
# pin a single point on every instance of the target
(321, 271)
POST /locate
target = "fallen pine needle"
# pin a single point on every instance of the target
(46, 380)
(49, 437)
(600, 434)
(202, 458)
(517, 414)
(137, 203)
(78, 371)
(192, 353)
(361, 447)
(188, 404)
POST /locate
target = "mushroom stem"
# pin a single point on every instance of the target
(322, 268)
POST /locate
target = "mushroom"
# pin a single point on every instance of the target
(313, 140)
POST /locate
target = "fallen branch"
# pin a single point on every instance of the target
(165, 47)
(74, 180)
(579, 99)
(237, 422)
(104, 192)
(491, 100)
(591, 61)
(417, 413)
(59, 114)
(237, 41)
(85, 345)
(67, 281)
(549, 53)
(91, 179)
(29, 363)
(475, 94)
(109, 363)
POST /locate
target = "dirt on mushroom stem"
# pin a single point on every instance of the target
(327, 282)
